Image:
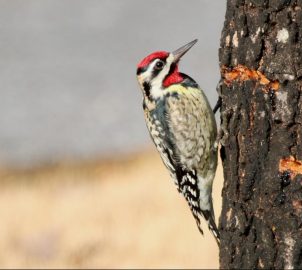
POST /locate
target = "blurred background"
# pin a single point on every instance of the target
(81, 184)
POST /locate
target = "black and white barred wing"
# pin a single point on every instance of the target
(159, 132)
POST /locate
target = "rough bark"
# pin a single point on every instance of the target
(261, 117)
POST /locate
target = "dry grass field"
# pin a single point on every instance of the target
(122, 213)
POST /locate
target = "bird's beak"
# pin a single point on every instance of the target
(182, 50)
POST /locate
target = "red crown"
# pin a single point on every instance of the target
(147, 60)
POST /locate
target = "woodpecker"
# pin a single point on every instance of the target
(183, 128)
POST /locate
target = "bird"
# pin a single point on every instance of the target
(182, 126)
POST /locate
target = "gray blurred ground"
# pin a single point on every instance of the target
(68, 86)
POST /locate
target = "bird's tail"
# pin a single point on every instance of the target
(209, 217)
(201, 205)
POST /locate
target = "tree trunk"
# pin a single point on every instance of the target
(261, 67)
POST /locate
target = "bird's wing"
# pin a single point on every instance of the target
(193, 126)
(160, 135)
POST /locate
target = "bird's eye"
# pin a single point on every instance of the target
(159, 65)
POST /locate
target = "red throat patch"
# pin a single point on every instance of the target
(148, 59)
(174, 77)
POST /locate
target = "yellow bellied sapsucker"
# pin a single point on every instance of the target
(183, 128)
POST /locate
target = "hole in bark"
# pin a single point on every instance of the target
(296, 37)
(277, 121)
(272, 98)
(285, 178)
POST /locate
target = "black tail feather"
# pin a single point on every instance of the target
(211, 224)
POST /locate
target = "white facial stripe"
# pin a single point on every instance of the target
(156, 83)
(147, 75)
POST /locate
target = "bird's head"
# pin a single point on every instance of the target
(159, 70)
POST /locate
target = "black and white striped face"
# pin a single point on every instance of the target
(151, 77)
